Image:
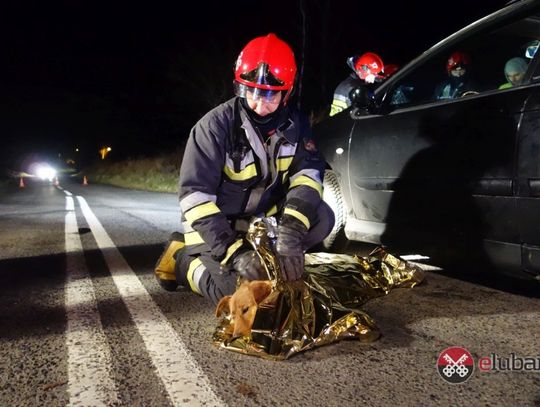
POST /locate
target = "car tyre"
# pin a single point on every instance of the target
(334, 198)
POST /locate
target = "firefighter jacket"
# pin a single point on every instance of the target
(341, 99)
(230, 173)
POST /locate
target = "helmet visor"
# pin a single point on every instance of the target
(351, 61)
(256, 94)
(261, 76)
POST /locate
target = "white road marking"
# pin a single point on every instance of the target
(89, 359)
(183, 379)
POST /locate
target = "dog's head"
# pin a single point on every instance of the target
(242, 305)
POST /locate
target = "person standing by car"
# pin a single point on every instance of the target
(367, 69)
(459, 81)
(248, 157)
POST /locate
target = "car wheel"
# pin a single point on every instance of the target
(333, 197)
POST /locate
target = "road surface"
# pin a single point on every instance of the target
(83, 322)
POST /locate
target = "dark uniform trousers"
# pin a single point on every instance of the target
(207, 277)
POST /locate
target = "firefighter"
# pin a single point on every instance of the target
(459, 81)
(366, 69)
(251, 156)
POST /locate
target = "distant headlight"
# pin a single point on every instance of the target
(45, 172)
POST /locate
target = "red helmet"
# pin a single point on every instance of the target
(458, 60)
(266, 66)
(368, 64)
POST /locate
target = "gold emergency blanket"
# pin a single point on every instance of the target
(322, 308)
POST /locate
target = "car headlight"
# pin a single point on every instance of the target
(45, 172)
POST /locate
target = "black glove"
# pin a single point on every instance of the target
(289, 250)
(248, 265)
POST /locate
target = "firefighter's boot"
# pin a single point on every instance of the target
(165, 266)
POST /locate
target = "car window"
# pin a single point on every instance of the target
(492, 61)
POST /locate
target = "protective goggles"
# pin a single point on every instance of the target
(256, 94)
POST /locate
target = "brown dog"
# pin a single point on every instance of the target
(242, 305)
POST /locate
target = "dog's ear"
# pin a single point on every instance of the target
(260, 289)
(223, 305)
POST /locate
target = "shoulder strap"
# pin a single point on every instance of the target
(237, 138)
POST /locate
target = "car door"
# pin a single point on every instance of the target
(439, 175)
(528, 181)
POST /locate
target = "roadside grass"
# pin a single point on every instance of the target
(157, 174)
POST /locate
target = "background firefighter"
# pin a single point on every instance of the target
(366, 69)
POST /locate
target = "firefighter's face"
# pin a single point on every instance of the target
(458, 71)
(263, 106)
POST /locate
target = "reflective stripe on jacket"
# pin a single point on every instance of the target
(341, 99)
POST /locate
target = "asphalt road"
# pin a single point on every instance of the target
(82, 322)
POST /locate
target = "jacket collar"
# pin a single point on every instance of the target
(284, 129)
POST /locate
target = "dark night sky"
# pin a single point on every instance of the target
(138, 75)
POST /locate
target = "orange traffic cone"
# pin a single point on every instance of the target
(56, 183)
(85, 181)
(21, 183)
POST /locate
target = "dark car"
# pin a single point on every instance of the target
(455, 178)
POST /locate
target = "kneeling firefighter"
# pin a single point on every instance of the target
(251, 156)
